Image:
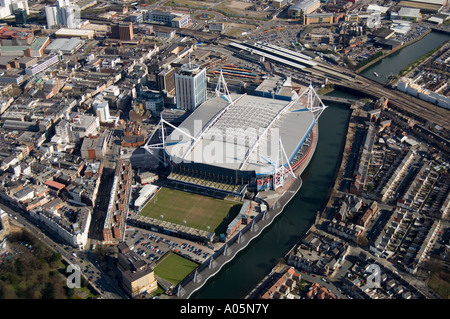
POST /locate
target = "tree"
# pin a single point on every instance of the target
(362, 241)
(47, 293)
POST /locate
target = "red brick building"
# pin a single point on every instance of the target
(118, 204)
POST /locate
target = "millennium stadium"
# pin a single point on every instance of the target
(233, 143)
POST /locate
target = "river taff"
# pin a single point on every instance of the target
(397, 61)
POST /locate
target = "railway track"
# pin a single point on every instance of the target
(408, 104)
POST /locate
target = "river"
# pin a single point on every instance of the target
(251, 265)
(395, 62)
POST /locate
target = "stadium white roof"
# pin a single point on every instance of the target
(144, 194)
(243, 137)
(439, 2)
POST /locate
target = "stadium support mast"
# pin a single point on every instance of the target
(222, 89)
(151, 148)
(280, 171)
(314, 103)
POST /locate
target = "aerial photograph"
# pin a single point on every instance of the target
(189, 152)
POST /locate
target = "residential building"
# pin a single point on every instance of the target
(118, 204)
(320, 292)
(72, 225)
(283, 286)
(4, 226)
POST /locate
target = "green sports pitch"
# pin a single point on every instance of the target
(193, 210)
(174, 268)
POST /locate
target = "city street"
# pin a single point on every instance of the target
(100, 281)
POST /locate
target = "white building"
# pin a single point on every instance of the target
(71, 131)
(51, 14)
(7, 7)
(172, 19)
(43, 64)
(63, 13)
(190, 86)
(74, 233)
(144, 194)
(101, 109)
(408, 86)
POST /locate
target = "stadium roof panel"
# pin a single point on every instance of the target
(245, 137)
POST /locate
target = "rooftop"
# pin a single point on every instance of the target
(303, 4)
(408, 12)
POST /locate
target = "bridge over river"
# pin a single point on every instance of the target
(337, 100)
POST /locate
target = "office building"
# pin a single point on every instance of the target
(51, 14)
(303, 7)
(62, 14)
(165, 80)
(101, 109)
(94, 147)
(176, 20)
(21, 16)
(190, 86)
(153, 100)
(137, 276)
(122, 31)
(7, 7)
(136, 17)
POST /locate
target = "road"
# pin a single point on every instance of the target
(100, 281)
